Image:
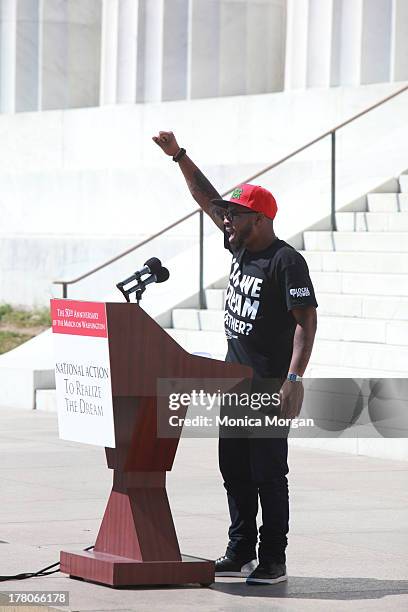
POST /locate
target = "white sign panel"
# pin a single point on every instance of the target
(82, 372)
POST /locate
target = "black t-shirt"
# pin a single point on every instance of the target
(264, 287)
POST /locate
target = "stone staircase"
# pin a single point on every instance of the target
(360, 274)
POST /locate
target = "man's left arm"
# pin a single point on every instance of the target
(291, 393)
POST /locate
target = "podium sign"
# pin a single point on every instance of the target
(82, 372)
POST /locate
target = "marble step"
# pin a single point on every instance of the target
(403, 182)
(322, 371)
(387, 202)
(355, 355)
(392, 308)
(372, 221)
(212, 342)
(361, 261)
(353, 283)
(361, 355)
(351, 329)
(388, 242)
(359, 283)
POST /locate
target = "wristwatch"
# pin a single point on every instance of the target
(294, 377)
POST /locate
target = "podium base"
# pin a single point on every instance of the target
(115, 571)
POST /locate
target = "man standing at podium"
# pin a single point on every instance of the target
(270, 324)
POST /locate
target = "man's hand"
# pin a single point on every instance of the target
(291, 398)
(167, 142)
(200, 187)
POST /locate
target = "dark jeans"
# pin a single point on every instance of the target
(252, 468)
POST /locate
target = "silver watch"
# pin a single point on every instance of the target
(294, 377)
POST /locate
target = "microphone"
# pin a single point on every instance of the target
(158, 274)
(151, 266)
(160, 277)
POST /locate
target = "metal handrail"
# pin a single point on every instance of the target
(331, 133)
(129, 250)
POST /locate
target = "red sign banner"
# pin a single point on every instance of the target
(79, 318)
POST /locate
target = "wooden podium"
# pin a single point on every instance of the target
(137, 543)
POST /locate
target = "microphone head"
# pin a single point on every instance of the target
(153, 264)
(162, 275)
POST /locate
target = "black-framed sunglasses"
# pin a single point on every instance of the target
(231, 214)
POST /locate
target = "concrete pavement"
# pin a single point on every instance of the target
(348, 544)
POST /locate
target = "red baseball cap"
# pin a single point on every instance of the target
(254, 197)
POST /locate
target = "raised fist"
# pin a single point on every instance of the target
(167, 142)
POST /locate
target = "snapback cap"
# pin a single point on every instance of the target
(254, 197)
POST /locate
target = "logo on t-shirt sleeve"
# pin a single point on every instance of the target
(300, 292)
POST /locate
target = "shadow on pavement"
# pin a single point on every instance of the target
(317, 588)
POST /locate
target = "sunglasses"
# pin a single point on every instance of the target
(231, 214)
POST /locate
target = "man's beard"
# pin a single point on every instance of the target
(238, 242)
